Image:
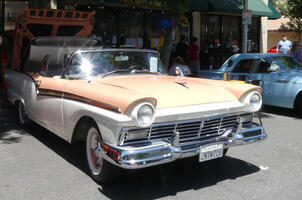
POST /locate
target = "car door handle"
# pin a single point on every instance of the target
(282, 81)
(37, 85)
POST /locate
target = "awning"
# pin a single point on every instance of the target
(276, 14)
(258, 7)
(201, 5)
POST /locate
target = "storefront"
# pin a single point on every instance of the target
(139, 24)
(143, 23)
(220, 37)
(220, 29)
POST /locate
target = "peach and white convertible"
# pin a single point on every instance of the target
(127, 110)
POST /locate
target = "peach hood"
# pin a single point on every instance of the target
(165, 91)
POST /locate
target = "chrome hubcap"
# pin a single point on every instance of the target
(93, 146)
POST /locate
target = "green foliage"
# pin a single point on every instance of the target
(177, 8)
(291, 9)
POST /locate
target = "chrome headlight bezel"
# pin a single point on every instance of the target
(137, 114)
(253, 101)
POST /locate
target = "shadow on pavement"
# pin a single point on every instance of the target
(72, 153)
(268, 110)
(10, 131)
(149, 183)
(169, 179)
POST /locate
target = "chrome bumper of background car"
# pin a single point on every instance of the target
(156, 153)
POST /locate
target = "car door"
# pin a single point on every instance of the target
(275, 83)
(43, 102)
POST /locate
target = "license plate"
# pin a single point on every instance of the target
(210, 152)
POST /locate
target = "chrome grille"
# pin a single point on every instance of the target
(191, 130)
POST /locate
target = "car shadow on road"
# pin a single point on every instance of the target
(154, 182)
(267, 112)
(170, 179)
(150, 183)
(10, 131)
(72, 153)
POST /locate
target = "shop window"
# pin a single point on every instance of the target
(38, 30)
(220, 38)
(105, 27)
(131, 28)
(69, 30)
(211, 42)
(230, 34)
(154, 30)
(253, 42)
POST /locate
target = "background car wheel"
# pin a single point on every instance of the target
(22, 117)
(298, 104)
(225, 151)
(100, 169)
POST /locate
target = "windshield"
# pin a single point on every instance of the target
(100, 63)
(287, 61)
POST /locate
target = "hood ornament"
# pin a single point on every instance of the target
(184, 84)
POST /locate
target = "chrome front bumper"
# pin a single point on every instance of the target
(156, 153)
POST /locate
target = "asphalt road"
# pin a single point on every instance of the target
(36, 164)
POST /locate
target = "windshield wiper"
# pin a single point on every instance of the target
(127, 70)
(113, 72)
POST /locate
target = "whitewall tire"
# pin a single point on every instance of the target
(100, 169)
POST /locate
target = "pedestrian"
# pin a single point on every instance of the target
(181, 49)
(193, 54)
(285, 45)
(296, 52)
(178, 64)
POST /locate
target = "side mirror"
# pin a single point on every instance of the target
(230, 63)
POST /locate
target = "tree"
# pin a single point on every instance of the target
(175, 10)
(292, 10)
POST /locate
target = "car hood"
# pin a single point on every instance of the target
(164, 91)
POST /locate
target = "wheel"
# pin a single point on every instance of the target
(298, 104)
(100, 169)
(23, 119)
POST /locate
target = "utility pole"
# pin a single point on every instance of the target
(244, 30)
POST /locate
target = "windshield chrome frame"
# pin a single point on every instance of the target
(66, 71)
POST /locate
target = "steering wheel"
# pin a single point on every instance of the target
(133, 68)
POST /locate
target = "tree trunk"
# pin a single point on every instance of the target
(165, 51)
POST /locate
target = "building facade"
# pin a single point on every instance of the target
(143, 24)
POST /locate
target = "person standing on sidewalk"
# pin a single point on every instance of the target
(285, 45)
(193, 54)
(296, 52)
(181, 49)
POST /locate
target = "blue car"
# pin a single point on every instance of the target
(279, 75)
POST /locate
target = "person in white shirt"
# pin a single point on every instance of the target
(284, 46)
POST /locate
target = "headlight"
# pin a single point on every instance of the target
(253, 101)
(144, 114)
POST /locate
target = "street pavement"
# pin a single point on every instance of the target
(36, 164)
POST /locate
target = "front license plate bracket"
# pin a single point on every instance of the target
(210, 152)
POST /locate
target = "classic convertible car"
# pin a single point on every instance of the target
(279, 75)
(125, 107)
